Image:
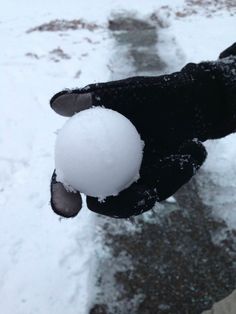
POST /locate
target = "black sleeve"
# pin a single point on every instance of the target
(192, 103)
(216, 105)
(197, 102)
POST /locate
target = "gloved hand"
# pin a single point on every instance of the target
(173, 114)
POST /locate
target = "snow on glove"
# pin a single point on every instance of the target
(173, 113)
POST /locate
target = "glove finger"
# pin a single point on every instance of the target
(131, 202)
(166, 177)
(196, 150)
(230, 51)
(64, 203)
(174, 171)
(67, 103)
(116, 95)
(160, 178)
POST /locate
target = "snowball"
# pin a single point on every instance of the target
(98, 152)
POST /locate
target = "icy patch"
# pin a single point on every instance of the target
(98, 152)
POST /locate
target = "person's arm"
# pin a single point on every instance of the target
(194, 101)
(173, 114)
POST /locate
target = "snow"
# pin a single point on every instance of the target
(98, 152)
(46, 263)
(206, 43)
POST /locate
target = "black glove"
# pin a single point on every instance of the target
(173, 114)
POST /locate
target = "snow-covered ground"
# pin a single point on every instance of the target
(46, 263)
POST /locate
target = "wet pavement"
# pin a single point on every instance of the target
(167, 260)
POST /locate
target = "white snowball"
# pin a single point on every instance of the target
(98, 152)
